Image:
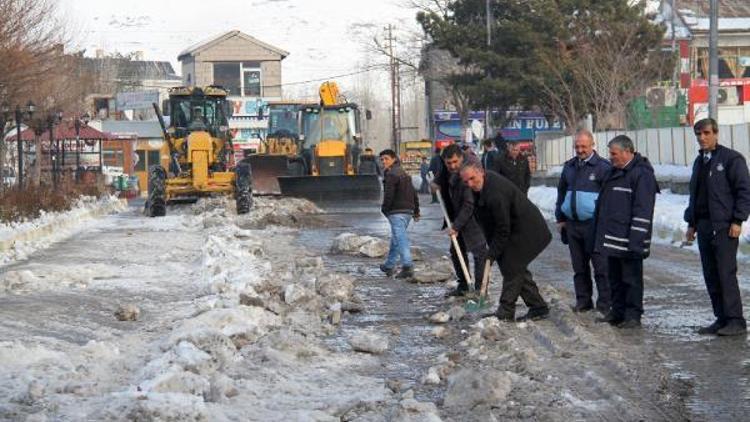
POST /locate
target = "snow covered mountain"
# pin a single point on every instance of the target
(325, 38)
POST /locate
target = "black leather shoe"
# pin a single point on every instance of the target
(711, 329)
(502, 316)
(581, 308)
(602, 309)
(406, 272)
(629, 324)
(388, 271)
(535, 314)
(457, 292)
(610, 319)
(732, 329)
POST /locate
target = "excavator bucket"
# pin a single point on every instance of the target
(266, 171)
(332, 188)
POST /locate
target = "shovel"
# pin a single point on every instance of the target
(482, 301)
(454, 240)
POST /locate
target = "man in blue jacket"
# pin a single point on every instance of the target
(577, 192)
(719, 204)
(623, 223)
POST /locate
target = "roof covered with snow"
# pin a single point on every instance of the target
(734, 15)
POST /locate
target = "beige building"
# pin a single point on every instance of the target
(249, 68)
(245, 65)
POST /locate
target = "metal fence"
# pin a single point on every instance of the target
(675, 145)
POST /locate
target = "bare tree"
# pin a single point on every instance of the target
(31, 54)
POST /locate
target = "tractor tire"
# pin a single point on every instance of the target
(243, 192)
(156, 205)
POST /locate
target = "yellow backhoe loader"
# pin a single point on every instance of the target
(195, 156)
(330, 164)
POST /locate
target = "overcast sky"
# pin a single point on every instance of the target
(324, 37)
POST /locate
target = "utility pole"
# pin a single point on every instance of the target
(395, 94)
(674, 40)
(488, 13)
(713, 64)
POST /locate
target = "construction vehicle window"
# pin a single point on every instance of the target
(335, 126)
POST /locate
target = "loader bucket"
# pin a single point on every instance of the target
(332, 188)
(266, 170)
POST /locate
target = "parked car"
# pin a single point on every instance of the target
(9, 176)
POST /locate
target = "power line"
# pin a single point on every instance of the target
(361, 71)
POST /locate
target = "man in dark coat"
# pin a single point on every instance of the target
(459, 204)
(719, 204)
(515, 167)
(424, 170)
(516, 233)
(436, 166)
(623, 223)
(400, 205)
(580, 182)
(489, 155)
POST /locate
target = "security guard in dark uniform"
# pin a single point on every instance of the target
(623, 223)
(581, 179)
(719, 203)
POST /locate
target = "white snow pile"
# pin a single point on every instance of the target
(434, 271)
(669, 226)
(251, 349)
(18, 240)
(662, 172)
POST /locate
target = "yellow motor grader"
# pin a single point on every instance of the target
(197, 152)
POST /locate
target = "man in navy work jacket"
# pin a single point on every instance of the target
(623, 222)
(516, 233)
(577, 192)
(719, 203)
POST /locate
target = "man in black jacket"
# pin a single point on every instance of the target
(436, 167)
(719, 204)
(516, 233)
(459, 204)
(400, 204)
(489, 155)
(514, 166)
(623, 222)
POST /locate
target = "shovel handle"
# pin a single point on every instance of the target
(464, 268)
(485, 278)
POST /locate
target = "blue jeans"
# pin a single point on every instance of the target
(399, 241)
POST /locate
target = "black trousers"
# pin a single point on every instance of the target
(579, 239)
(626, 282)
(479, 254)
(719, 261)
(519, 284)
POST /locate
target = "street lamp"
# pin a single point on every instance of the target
(52, 120)
(77, 123)
(19, 115)
(4, 117)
